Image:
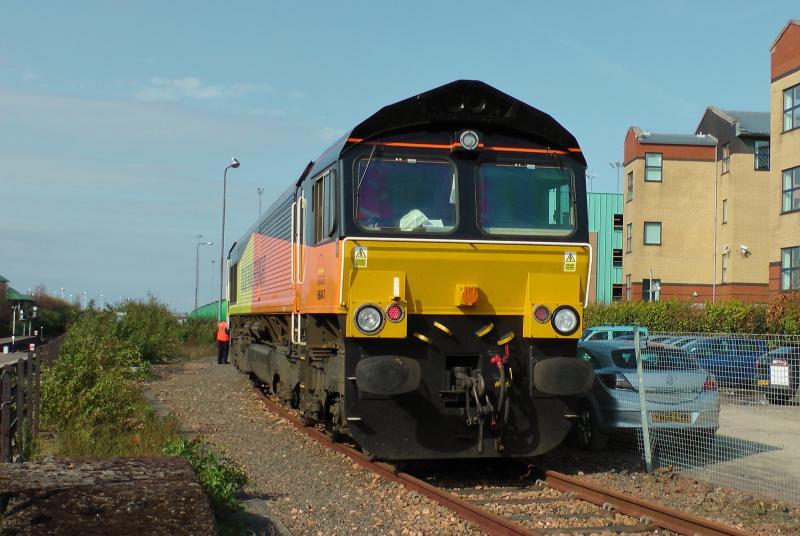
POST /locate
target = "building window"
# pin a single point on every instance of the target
(790, 268)
(652, 167)
(651, 289)
(628, 287)
(726, 158)
(617, 222)
(791, 189)
(761, 155)
(630, 185)
(616, 293)
(724, 269)
(791, 108)
(616, 257)
(652, 233)
(724, 211)
(628, 237)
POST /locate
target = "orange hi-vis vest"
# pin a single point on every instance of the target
(221, 335)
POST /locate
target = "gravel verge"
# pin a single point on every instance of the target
(317, 491)
(311, 489)
(622, 470)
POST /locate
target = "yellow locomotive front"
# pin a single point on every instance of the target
(463, 293)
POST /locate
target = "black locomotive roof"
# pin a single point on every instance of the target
(463, 103)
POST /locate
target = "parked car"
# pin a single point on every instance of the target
(731, 359)
(605, 333)
(660, 339)
(681, 342)
(778, 374)
(680, 396)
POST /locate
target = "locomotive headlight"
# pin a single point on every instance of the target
(369, 319)
(565, 320)
(469, 140)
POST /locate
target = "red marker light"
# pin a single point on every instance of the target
(541, 313)
(394, 312)
(710, 384)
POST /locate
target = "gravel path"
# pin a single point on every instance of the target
(316, 491)
(311, 489)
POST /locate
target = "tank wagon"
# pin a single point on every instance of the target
(420, 287)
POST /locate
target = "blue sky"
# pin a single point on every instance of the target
(117, 118)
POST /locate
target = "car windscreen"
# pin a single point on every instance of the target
(525, 199)
(406, 195)
(654, 359)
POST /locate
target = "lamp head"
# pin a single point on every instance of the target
(234, 163)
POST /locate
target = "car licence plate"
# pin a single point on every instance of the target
(670, 416)
(763, 382)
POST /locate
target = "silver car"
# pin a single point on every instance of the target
(680, 396)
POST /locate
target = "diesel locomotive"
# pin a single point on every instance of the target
(420, 287)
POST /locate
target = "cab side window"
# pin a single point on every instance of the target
(324, 206)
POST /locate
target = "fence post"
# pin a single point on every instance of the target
(37, 388)
(5, 414)
(27, 422)
(648, 455)
(19, 432)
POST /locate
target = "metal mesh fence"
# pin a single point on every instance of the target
(722, 408)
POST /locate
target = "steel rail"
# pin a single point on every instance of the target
(484, 519)
(663, 516)
(657, 515)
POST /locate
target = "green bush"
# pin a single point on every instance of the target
(89, 383)
(732, 316)
(151, 328)
(198, 331)
(784, 314)
(220, 477)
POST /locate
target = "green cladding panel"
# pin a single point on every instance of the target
(209, 311)
(602, 207)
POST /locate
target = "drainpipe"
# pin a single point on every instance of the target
(716, 202)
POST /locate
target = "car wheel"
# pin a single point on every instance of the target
(780, 397)
(587, 430)
(704, 437)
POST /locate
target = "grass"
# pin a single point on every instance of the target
(143, 434)
(192, 350)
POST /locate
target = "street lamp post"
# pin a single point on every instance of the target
(260, 191)
(197, 267)
(213, 268)
(590, 177)
(618, 167)
(234, 164)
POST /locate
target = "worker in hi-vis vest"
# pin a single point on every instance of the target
(223, 340)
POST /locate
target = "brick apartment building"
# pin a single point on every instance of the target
(697, 205)
(784, 191)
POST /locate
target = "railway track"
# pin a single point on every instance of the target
(556, 504)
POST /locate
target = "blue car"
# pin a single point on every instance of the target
(681, 397)
(731, 359)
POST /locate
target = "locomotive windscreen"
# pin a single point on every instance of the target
(406, 194)
(523, 199)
